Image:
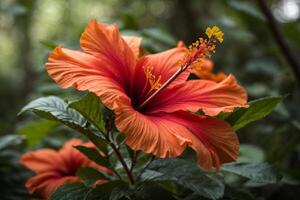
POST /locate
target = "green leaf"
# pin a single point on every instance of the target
(186, 174)
(106, 191)
(90, 175)
(90, 107)
(152, 190)
(258, 109)
(94, 155)
(120, 192)
(257, 172)
(74, 191)
(36, 130)
(55, 109)
(237, 194)
(10, 140)
(251, 153)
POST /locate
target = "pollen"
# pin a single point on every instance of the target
(151, 79)
(214, 32)
(203, 48)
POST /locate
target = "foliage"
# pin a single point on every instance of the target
(269, 147)
(11, 172)
(257, 109)
(172, 177)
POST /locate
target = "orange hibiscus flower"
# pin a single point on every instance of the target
(54, 168)
(112, 68)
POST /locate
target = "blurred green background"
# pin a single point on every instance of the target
(29, 29)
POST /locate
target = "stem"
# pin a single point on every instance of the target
(133, 160)
(119, 155)
(279, 38)
(128, 172)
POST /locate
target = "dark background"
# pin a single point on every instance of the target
(29, 29)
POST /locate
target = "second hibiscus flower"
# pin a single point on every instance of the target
(54, 168)
(112, 68)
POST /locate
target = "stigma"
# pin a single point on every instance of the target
(203, 48)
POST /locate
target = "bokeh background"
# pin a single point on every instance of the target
(29, 29)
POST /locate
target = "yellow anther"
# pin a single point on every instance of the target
(214, 32)
(151, 79)
(203, 48)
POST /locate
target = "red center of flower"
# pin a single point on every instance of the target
(71, 171)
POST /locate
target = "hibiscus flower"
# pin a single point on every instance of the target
(111, 67)
(54, 168)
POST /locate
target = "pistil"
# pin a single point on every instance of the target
(202, 48)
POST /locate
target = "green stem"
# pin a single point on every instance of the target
(118, 154)
(133, 160)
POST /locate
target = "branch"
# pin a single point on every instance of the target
(279, 38)
(127, 170)
(117, 152)
(133, 160)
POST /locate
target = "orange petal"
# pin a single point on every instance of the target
(74, 159)
(215, 142)
(42, 160)
(166, 64)
(219, 77)
(203, 68)
(105, 42)
(163, 65)
(167, 135)
(209, 96)
(85, 72)
(135, 44)
(149, 133)
(44, 184)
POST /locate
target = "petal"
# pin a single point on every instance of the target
(149, 133)
(44, 184)
(85, 72)
(166, 64)
(74, 159)
(209, 96)
(215, 142)
(42, 160)
(167, 135)
(135, 44)
(105, 42)
(204, 70)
